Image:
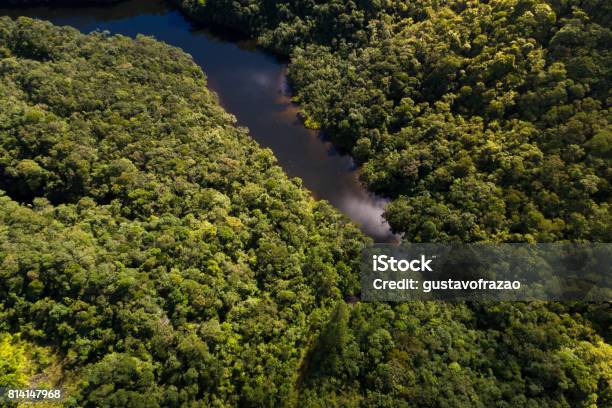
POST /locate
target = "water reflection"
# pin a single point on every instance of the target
(252, 86)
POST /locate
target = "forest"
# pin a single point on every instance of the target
(482, 120)
(147, 237)
(151, 254)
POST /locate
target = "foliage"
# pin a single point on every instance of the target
(24, 364)
(14, 367)
(481, 120)
(146, 236)
(172, 263)
(435, 354)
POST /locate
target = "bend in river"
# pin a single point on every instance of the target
(252, 86)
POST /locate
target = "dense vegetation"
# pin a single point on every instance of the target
(483, 120)
(167, 258)
(146, 236)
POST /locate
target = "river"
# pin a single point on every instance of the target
(251, 85)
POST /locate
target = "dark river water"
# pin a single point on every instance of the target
(252, 86)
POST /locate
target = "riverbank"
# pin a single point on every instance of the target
(252, 85)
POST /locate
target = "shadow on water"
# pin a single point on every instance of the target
(252, 85)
